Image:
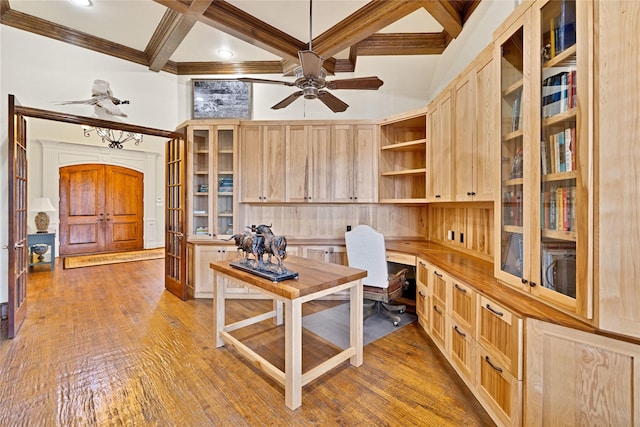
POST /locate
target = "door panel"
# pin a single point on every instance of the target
(124, 209)
(175, 264)
(17, 242)
(82, 209)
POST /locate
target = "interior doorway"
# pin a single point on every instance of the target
(101, 209)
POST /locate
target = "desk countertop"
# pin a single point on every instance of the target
(314, 276)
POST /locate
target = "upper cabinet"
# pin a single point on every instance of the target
(212, 165)
(354, 157)
(544, 157)
(308, 163)
(262, 163)
(439, 147)
(474, 130)
(403, 159)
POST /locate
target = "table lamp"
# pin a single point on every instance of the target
(42, 205)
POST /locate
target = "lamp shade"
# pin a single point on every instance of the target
(41, 204)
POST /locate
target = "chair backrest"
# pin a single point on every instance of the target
(366, 251)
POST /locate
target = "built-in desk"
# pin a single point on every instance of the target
(316, 279)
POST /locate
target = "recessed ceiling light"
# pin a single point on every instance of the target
(82, 2)
(225, 53)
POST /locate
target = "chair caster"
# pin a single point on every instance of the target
(401, 311)
(396, 323)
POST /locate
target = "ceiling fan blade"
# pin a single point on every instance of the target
(311, 62)
(335, 104)
(367, 83)
(276, 82)
(288, 100)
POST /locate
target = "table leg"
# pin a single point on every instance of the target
(356, 322)
(218, 307)
(277, 307)
(293, 354)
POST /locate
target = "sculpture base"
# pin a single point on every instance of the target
(265, 274)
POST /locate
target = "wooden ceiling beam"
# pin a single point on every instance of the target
(402, 44)
(446, 14)
(244, 67)
(364, 22)
(171, 31)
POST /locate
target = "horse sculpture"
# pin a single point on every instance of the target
(258, 241)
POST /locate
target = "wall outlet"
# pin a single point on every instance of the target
(450, 235)
(348, 228)
(461, 237)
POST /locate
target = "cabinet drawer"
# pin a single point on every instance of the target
(462, 349)
(438, 324)
(500, 331)
(439, 286)
(463, 306)
(500, 391)
(422, 273)
(422, 305)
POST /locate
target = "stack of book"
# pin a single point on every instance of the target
(225, 185)
(512, 207)
(562, 29)
(559, 93)
(558, 152)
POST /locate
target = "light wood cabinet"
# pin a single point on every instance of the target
(544, 198)
(403, 159)
(354, 159)
(332, 254)
(262, 163)
(308, 166)
(199, 274)
(439, 148)
(474, 122)
(463, 306)
(577, 378)
(212, 169)
(462, 350)
(423, 294)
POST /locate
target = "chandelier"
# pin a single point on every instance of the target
(115, 138)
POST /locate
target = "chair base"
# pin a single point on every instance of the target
(372, 307)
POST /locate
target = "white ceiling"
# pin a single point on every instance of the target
(132, 23)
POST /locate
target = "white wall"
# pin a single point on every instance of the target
(40, 71)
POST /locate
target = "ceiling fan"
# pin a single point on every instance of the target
(310, 79)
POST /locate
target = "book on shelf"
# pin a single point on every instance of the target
(558, 93)
(558, 209)
(557, 152)
(562, 30)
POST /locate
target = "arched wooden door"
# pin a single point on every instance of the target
(101, 209)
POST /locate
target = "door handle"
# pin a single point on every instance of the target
(108, 218)
(18, 245)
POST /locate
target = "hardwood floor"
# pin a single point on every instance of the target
(108, 346)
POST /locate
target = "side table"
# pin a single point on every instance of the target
(48, 239)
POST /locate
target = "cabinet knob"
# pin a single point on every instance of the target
(524, 281)
(438, 196)
(532, 284)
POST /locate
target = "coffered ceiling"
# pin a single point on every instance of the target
(183, 37)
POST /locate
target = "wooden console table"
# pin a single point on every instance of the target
(316, 279)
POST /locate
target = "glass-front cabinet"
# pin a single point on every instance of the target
(544, 206)
(212, 153)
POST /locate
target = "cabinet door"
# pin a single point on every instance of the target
(332, 254)
(500, 331)
(298, 163)
(273, 164)
(577, 378)
(365, 165)
(464, 134)
(251, 161)
(422, 305)
(343, 167)
(438, 322)
(463, 306)
(513, 260)
(462, 350)
(439, 148)
(499, 389)
(487, 123)
(319, 172)
(200, 153)
(225, 190)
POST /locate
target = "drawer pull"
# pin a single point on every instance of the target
(462, 334)
(435, 308)
(497, 368)
(421, 294)
(463, 290)
(497, 313)
(437, 274)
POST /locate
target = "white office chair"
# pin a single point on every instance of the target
(366, 251)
